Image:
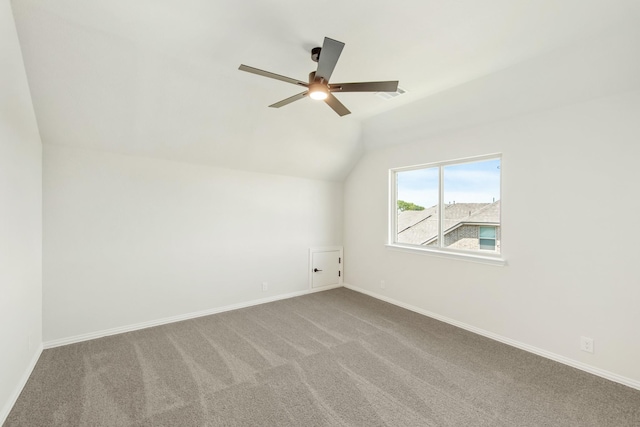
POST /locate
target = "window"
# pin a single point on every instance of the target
(450, 207)
(487, 238)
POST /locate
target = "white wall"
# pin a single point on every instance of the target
(570, 206)
(20, 220)
(130, 240)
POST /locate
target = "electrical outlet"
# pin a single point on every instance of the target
(383, 285)
(586, 344)
(265, 286)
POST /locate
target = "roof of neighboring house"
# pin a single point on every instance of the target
(407, 219)
(421, 227)
(487, 214)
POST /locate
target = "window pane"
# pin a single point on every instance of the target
(488, 232)
(489, 244)
(417, 200)
(471, 200)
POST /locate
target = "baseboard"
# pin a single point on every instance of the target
(526, 347)
(23, 381)
(178, 318)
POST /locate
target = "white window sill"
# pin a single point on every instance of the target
(465, 256)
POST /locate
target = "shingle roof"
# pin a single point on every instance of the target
(407, 219)
(420, 227)
(487, 214)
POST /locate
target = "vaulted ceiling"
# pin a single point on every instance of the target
(159, 78)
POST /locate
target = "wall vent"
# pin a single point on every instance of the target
(390, 95)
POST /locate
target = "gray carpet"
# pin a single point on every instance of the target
(334, 358)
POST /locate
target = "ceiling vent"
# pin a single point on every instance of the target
(390, 95)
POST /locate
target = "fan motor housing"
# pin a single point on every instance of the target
(313, 79)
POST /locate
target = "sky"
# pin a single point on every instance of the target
(477, 182)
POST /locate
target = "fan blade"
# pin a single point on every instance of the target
(271, 75)
(337, 106)
(331, 50)
(289, 100)
(390, 86)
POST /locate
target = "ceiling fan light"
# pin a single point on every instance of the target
(319, 95)
(318, 92)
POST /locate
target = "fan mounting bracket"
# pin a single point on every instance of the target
(315, 54)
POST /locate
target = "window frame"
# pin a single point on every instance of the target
(482, 256)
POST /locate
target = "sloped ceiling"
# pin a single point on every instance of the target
(159, 78)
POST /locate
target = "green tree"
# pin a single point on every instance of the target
(408, 206)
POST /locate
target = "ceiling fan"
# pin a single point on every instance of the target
(318, 86)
